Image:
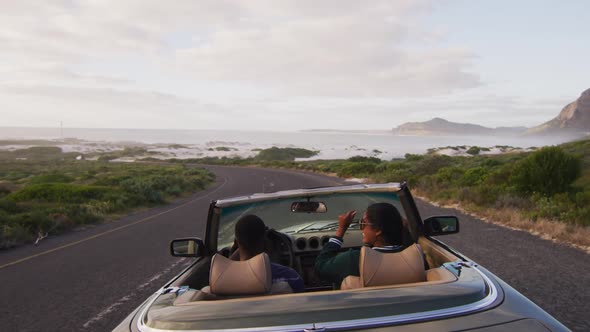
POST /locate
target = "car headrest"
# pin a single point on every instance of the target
(249, 277)
(381, 269)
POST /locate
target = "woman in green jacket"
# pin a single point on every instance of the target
(382, 228)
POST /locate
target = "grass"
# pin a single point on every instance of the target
(52, 192)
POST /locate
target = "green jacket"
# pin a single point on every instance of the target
(333, 265)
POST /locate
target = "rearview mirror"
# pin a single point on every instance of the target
(309, 207)
(189, 247)
(441, 225)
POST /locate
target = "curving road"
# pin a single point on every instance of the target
(91, 279)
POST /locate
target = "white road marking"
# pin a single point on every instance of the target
(131, 295)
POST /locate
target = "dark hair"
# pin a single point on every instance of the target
(386, 217)
(250, 233)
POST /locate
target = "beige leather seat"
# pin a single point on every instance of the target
(381, 269)
(230, 278)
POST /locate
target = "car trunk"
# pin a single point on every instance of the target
(364, 307)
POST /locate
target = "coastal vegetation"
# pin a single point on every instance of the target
(222, 148)
(51, 192)
(545, 190)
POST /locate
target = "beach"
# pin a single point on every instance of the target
(185, 144)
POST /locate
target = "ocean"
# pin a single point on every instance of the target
(199, 143)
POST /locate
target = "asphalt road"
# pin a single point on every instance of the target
(89, 280)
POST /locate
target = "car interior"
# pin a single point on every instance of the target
(220, 275)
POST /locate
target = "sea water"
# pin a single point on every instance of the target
(200, 143)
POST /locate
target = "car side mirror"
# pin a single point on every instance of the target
(441, 225)
(189, 247)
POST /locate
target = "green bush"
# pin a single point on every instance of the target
(51, 178)
(490, 162)
(474, 176)
(474, 150)
(12, 235)
(480, 195)
(547, 171)
(413, 157)
(147, 190)
(4, 191)
(9, 206)
(396, 172)
(275, 153)
(357, 169)
(449, 175)
(357, 159)
(81, 214)
(36, 151)
(431, 164)
(34, 221)
(59, 192)
(15, 175)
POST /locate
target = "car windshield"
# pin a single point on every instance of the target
(277, 213)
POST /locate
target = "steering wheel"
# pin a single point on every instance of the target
(276, 244)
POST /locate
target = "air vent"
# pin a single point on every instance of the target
(314, 243)
(325, 240)
(300, 243)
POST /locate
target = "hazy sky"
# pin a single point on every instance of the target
(288, 65)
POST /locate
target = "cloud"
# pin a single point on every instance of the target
(374, 64)
(354, 52)
(332, 48)
(40, 105)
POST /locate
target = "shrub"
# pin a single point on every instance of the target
(413, 157)
(474, 176)
(431, 164)
(396, 175)
(9, 206)
(59, 192)
(481, 195)
(145, 189)
(512, 201)
(547, 171)
(448, 175)
(4, 191)
(33, 221)
(51, 178)
(357, 159)
(490, 162)
(357, 169)
(12, 235)
(36, 151)
(81, 215)
(275, 153)
(474, 150)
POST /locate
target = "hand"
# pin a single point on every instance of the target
(344, 221)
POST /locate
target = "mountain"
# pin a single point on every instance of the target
(574, 118)
(438, 127)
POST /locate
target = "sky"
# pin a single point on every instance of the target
(289, 65)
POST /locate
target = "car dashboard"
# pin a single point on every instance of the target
(305, 248)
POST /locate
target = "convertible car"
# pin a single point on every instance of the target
(395, 291)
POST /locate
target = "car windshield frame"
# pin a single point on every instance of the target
(275, 209)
